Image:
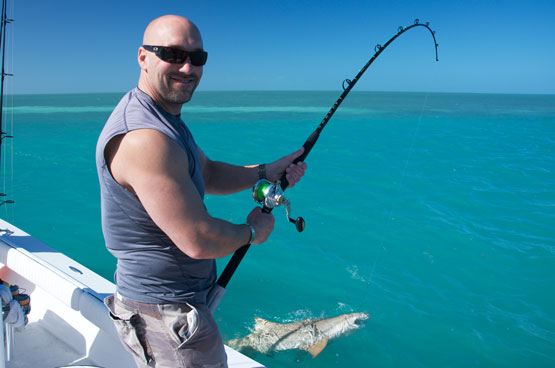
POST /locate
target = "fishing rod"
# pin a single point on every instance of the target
(3, 134)
(269, 194)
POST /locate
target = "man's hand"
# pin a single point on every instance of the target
(263, 224)
(293, 172)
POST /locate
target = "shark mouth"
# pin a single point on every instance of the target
(358, 321)
(361, 318)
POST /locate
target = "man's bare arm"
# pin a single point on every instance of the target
(155, 168)
(222, 178)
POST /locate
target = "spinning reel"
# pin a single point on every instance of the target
(270, 195)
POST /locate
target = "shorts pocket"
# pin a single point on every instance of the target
(188, 331)
(131, 330)
(197, 340)
(181, 321)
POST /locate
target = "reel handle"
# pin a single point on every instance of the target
(299, 223)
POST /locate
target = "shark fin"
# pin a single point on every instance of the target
(317, 348)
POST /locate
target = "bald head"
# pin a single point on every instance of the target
(170, 83)
(171, 30)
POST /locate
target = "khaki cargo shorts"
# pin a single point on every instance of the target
(168, 335)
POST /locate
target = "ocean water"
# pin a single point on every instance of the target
(434, 213)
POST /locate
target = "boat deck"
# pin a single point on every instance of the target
(36, 347)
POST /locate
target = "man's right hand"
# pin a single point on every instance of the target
(263, 224)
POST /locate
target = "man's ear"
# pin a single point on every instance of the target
(141, 58)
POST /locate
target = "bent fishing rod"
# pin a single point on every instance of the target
(269, 194)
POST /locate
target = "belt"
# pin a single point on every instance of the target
(151, 309)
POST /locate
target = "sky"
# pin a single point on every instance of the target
(484, 46)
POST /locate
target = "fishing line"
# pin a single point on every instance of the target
(276, 192)
(399, 187)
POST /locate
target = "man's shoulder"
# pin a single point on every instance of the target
(144, 154)
(146, 137)
(137, 110)
(133, 104)
(151, 144)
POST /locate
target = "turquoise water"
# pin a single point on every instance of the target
(432, 212)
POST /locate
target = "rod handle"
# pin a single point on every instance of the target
(307, 147)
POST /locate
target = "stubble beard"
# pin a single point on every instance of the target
(181, 95)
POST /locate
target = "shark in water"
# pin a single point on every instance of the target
(311, 335)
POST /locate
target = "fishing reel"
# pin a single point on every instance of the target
(270, 195)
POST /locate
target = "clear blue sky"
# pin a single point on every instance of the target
(484, 46)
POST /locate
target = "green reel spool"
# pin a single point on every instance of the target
(270, 195)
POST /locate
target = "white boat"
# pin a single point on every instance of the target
(68, 323)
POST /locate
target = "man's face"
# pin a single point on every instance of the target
(172, 85)
(175, 83)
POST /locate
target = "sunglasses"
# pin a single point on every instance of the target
(178, 56)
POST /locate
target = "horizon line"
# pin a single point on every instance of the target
(293, 90)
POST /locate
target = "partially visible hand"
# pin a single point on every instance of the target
(294, 172)
(263, 224)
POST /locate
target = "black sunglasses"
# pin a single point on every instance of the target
(178, 56)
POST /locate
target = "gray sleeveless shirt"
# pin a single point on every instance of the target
(150, 268)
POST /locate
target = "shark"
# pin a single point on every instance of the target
(311, 335)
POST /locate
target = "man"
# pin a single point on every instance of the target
(153, 177)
